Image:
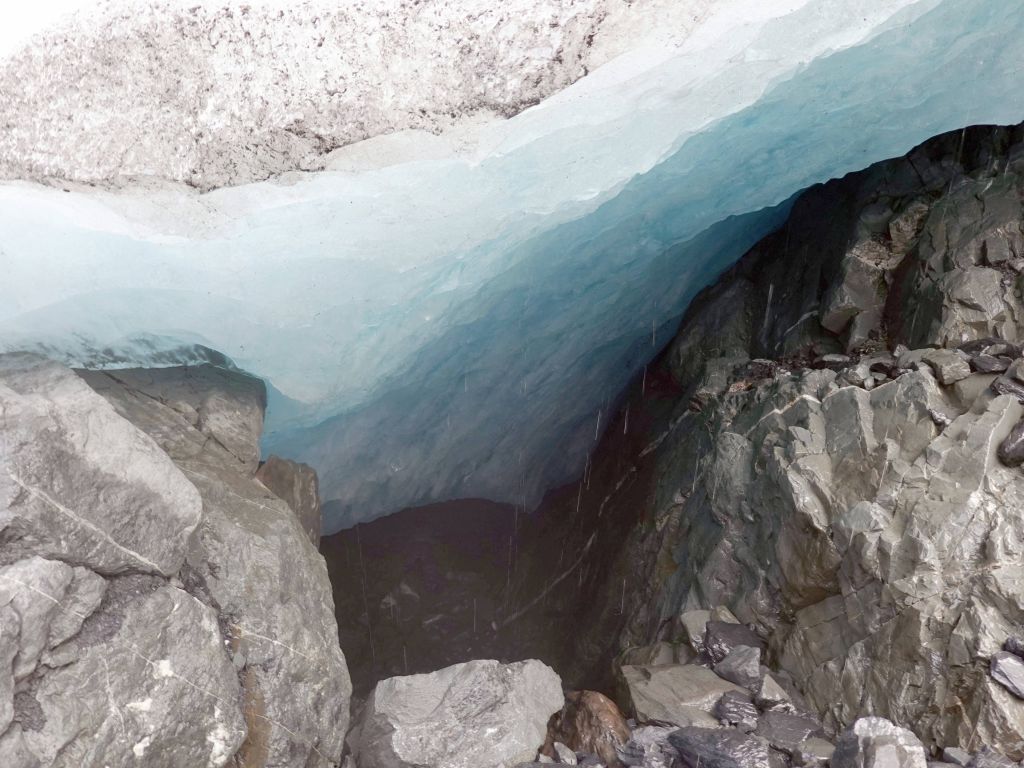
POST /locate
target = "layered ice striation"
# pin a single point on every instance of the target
(452, 314)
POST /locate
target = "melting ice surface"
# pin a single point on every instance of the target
(459, 325)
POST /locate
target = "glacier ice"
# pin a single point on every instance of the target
(457, 322)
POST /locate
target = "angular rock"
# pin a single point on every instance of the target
(721, 637)
(481, 714)
(991, 347)
(648, 747)
(813, 752)
(874, 742)
(785, 731)
(771, 695)
(565, 755)
(950, 365)
(737, 709)
(742, 666)
(725, 748)
(694, 625)
(1014, 645)
(79, 483)
(1005, 385)
(956, 756)
(1007, 669)
(296, 485)
(989, 364)
(590, 722)
(1011, 450)
(678, 694)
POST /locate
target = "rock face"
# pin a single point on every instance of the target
(481, 714)
(159, 606)
(824, 459)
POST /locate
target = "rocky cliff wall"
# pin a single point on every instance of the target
(825, 448)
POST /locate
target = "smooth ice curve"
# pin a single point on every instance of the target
(450, 313)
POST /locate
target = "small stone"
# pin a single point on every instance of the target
(737, 709)
(721, 613)
(956, 756)
(1011, 450)
(720, 637)
(833, 361)
(565, 755)
(813, 752)
(742, 665)
(694, 624)
(1014, 645)
(1007, 669)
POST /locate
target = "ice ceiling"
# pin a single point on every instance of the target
(449, 308)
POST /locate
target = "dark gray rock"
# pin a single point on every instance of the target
(785, 731)
(1006, 385)
(1014, 645)
(719, 748)
(989, 364)
(1007, 669)
(721, 637)
(1011, 450)
(991, 347)
(737, 709)
(874, 742)
(742, 665)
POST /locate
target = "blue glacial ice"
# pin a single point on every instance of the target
(459, 325)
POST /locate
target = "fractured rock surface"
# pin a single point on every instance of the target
(843, 480)
(158, 606)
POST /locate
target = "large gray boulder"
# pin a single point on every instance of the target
(123, 671)
(80, 484)
(481, 714)
(251, 558)
(159, 606)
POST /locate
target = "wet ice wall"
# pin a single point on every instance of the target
(459, 322)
